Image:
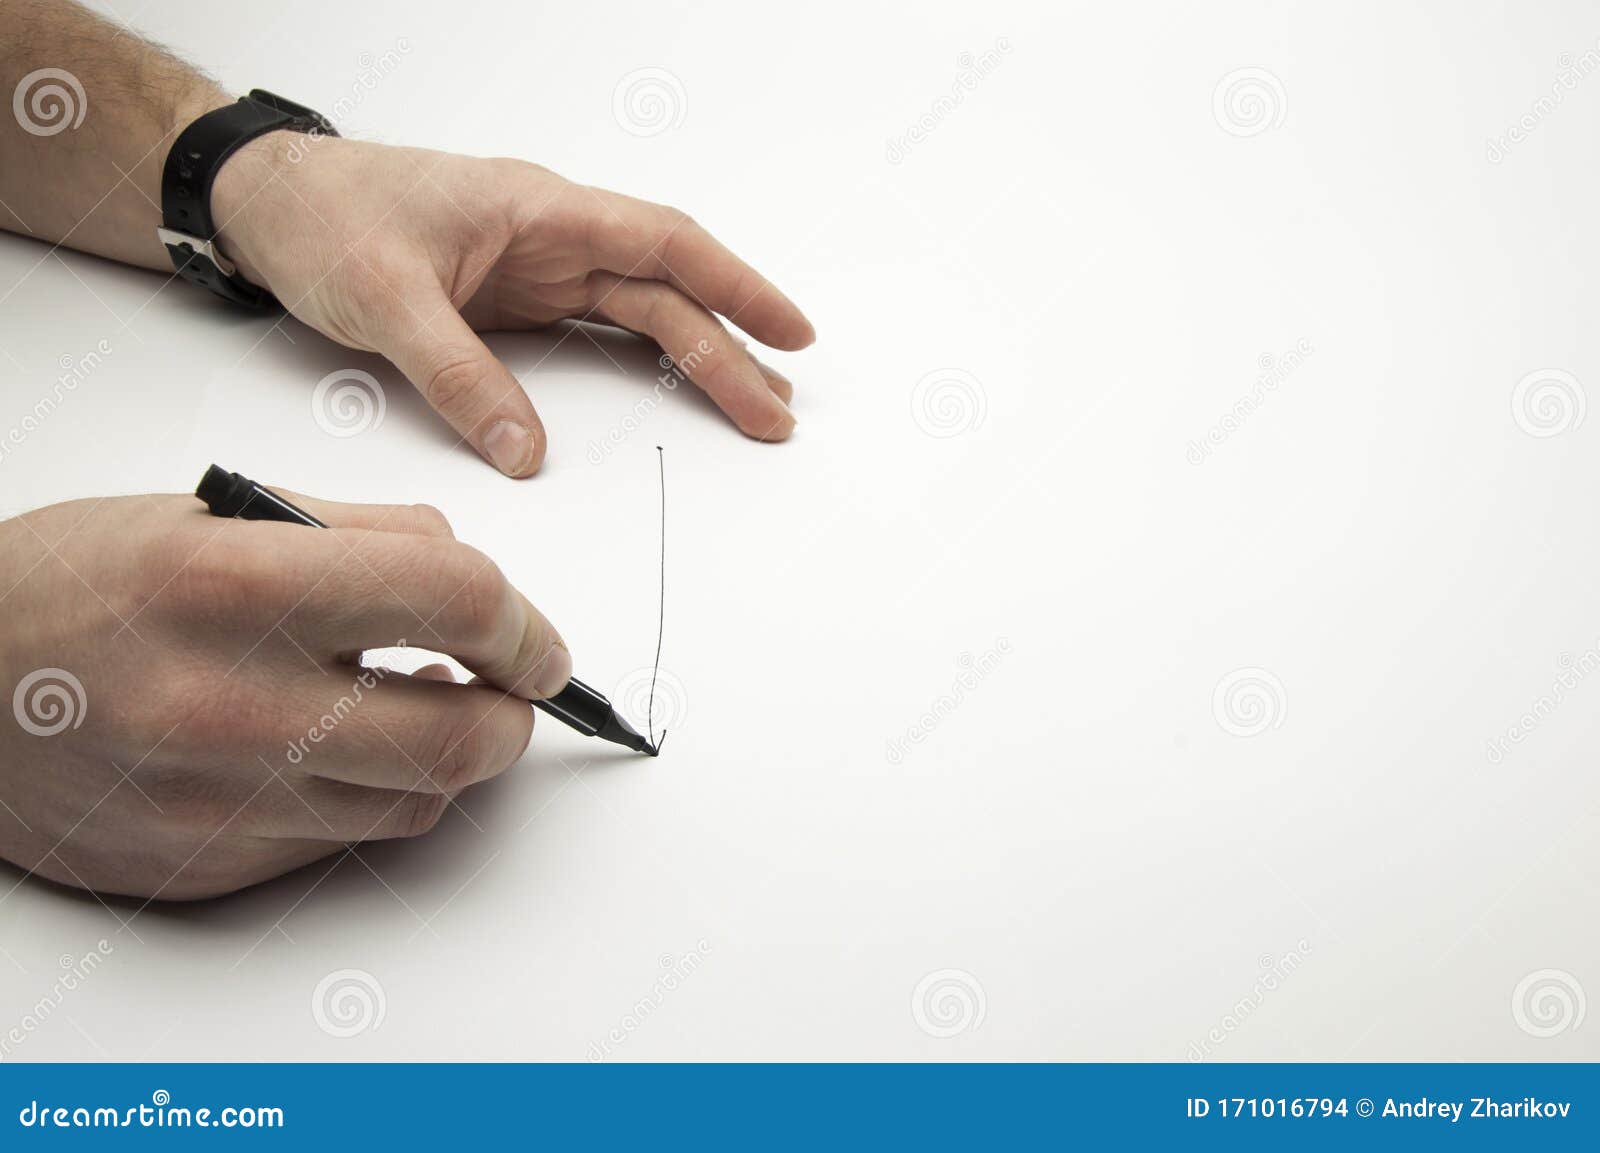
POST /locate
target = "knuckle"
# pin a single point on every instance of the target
(533, 650)
(189, 713)
(650, 318)
(719, 361)
(234, 578)
(450, 383)
(153, 555)
(477, 593)
(432, 521)
(515, 169)
(369, 284)
(749, 284)
(464, 759)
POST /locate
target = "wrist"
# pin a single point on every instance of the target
(247, 198)
(182, 109)
(127, 221)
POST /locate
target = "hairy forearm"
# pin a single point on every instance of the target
(81, 158)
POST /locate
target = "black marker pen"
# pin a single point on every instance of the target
(583, 708)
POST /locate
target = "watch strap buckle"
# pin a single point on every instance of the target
(192, 246)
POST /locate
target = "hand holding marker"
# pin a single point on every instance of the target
(578, 706)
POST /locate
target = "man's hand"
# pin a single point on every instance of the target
(410, 254)
(187, 717)
(394, 250)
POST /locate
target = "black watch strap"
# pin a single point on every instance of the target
(198, 154)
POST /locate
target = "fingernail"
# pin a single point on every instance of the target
(554, 672)
(509, 445)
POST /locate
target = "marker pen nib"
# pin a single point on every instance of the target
(618, 731)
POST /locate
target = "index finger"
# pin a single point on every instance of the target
(637, 238)
(417, 519)
(449, 592)
(341, 590)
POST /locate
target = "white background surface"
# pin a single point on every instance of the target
(1081, 837)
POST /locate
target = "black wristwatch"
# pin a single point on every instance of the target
(197, 156)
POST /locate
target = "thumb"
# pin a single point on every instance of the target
(465, 383)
